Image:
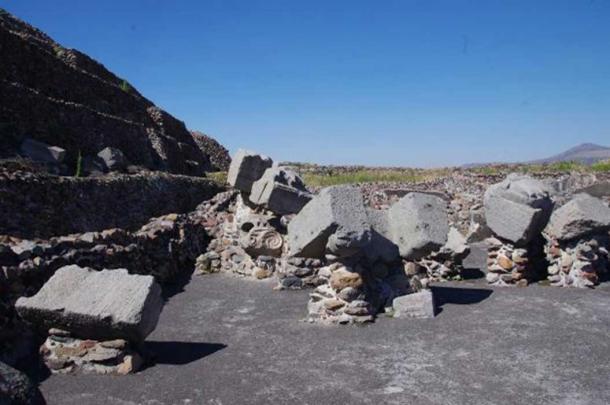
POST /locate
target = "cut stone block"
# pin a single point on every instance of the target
(335, 221)
(99, 305)
(583, 215)
(113, 159)
(416, 305)
(42, 152)
(518, 208)
(418, 224)
(246, 168)
(281, 191)
(381, 246)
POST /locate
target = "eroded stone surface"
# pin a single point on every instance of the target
(246, 168)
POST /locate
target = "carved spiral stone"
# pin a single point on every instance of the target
(263, 241)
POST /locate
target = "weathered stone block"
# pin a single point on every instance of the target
(42, 152)
(416, 305)
(334, 221)
(246, 168)
(281, 191)
(113, 159)
(518, 208)
(583, 215)
(101, 305)
(418, 224)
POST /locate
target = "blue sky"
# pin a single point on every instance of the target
(412, 83)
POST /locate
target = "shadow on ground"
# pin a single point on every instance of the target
(179, 353)
(460, 296)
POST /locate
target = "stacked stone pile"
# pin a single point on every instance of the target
(578, 242)
(95, 319)
(516, 211)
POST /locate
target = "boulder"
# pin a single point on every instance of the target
(281, 191)
(335, 221)
(113, 159)
(381, 246)
(246, 168)
(518, 208)
(583, 215)
(100, 305)
(41, 152)
(416, 305)
(16, 387)
(418, 224)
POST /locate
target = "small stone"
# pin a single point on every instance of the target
(261, 273)
(131, 364)
(333, 304)
(505, 262)
(343, 278)
(114, 344)
(59, 332)
(492, 277)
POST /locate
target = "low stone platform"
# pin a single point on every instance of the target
(230, 340)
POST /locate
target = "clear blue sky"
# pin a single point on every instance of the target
(420, 83)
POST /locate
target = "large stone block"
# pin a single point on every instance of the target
(518, 208)
(100, 305)
(381, 246)
(418, 224)
(334, 221)
(114, 159)
(42, 152)
(281, 191)
(246, 168)
(416, 305)
(583, 215)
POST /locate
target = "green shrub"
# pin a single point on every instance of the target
(79, 165)
(603, 166)
(125, 86)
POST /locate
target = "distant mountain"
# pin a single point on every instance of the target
(586, 153)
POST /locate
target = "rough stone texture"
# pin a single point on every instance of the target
(281, 191)
(583, 215)
(220, 159)
(107, 304)
(415, 305)
(42, 152)
(246, 168)
(39, 205)
(381, 246)
(63, 353)
(335, 220)
(113, 159)
(62, 97)
(419, 224)
(16, 388)
(518, 208)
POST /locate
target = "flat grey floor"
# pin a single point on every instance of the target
(227, 340)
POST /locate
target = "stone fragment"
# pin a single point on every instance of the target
(113, 159)
(343, 278)
(16, 387)
(416, 305)
(518, 208)
(335, 221)
(107, 304)
(41, 152)
(281, 191)
(246, 168)
(418, 224)
(582, 216)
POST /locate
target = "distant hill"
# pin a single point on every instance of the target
(586, 153)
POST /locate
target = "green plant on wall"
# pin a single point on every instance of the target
(125, 86)
(79, 165)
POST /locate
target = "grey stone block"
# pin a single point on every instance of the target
(518, 208)
(100, 305)
(381, 246)
(246, 168)
(416, 305)
(418, 224)
(476, 259)
(113, 159)
(335, 221)
(281, 191)
(583, 215)
(42, 152)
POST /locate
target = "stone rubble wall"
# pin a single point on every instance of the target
(41, 206)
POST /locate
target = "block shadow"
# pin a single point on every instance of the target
(178, 353)
(458, 295)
